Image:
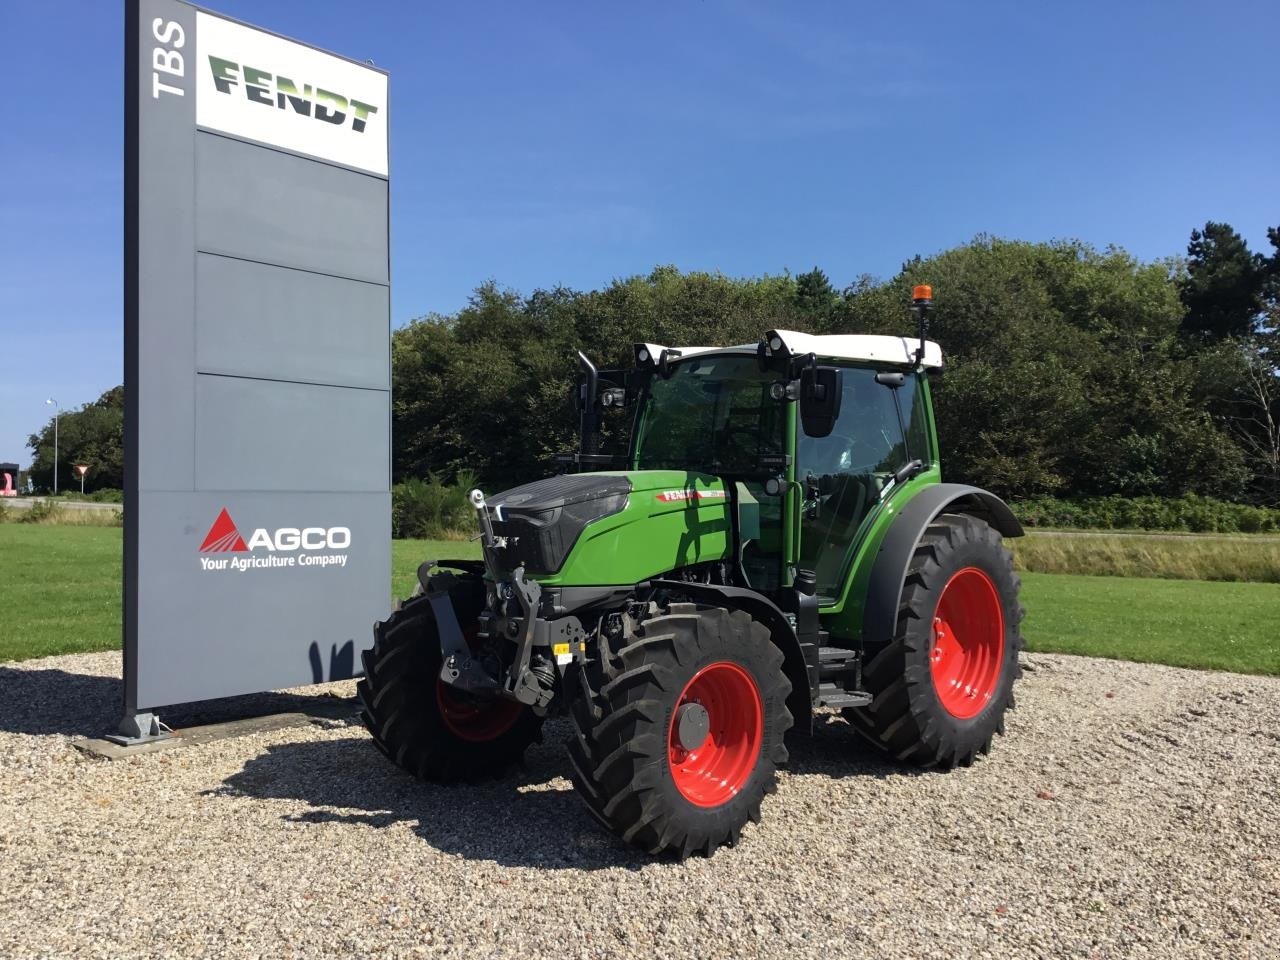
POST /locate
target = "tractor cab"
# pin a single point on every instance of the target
(813, 434)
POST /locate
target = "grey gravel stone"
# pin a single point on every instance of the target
(1131, 811)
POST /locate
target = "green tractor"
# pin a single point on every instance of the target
(776, 541)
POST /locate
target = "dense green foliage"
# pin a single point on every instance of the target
(1225, 285)
(488, 388)
(431, 508)
(1070, 371)
(1190, 513)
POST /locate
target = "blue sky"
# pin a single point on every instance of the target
(538, 143)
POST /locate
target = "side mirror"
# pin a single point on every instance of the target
(820, 391)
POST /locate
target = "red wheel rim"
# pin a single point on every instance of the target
(967, 647)
(717, 769)
(473, 718)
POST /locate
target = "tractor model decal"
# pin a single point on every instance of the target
(676, 496)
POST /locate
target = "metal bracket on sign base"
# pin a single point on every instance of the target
(140, 728)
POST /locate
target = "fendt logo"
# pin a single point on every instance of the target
(277, 93)
(276, 90)
(283, 547)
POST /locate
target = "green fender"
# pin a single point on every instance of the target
(889, 571)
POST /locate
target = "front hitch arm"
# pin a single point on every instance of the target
(459, 669)
(521, 682)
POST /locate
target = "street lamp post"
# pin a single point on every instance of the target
(56, 410)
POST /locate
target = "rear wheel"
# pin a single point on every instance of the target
(435, 731)
(677, 737)
(942, 685)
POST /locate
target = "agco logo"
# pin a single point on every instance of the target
(282, 93)
(283, 547)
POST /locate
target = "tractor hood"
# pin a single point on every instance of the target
(611, 528)
(542, 520)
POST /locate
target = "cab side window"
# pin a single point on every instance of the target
(914, 415)
(845, 472)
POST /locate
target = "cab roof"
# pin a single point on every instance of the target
(861, 347)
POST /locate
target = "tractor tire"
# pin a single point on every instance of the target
(942, 685)
(435, 732)
(678, 735)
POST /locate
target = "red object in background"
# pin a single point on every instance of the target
(7, 490)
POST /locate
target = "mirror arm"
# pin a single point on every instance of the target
(905, 473)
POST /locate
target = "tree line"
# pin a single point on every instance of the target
(1070, 371)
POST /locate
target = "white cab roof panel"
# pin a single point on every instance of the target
(859, 347)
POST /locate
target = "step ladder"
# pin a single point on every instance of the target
(838, 670)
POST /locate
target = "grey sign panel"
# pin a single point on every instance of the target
(257, 508)
(275, 435)
(209, 625)
(276, 208)
(248, 316)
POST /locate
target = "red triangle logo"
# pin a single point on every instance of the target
(223, 537)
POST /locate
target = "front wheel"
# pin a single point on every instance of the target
(679, 735)
(942, 685)
(433, 730)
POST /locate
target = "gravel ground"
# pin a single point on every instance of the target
(1131, 811)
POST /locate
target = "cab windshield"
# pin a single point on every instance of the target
(713, 414)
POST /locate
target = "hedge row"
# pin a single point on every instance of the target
(431, 509)
(105, 495)
(1190, 513)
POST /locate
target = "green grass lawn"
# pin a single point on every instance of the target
(61, 594)
(59, 590)
(60, 586)
(406, 555)
(1184, 623)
